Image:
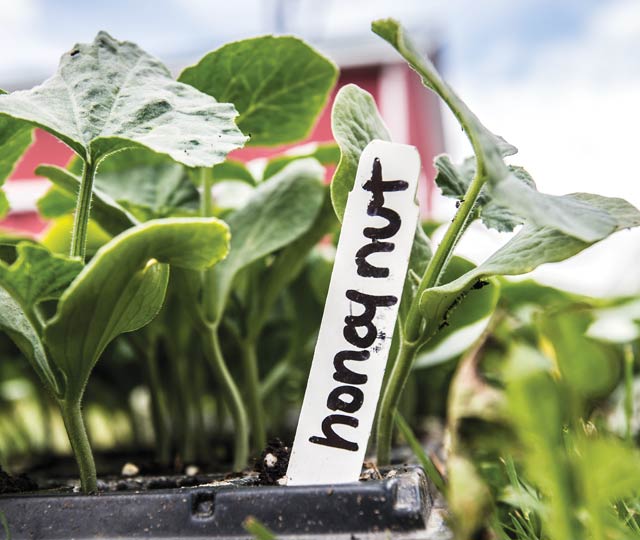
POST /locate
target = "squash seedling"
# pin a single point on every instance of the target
(504, 196)
(108, 96)
(286, 214)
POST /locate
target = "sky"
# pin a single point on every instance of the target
(558, 79)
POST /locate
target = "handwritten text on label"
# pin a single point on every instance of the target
(359, 318)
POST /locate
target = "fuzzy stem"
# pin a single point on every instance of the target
(390, 399)
(212, 350)
(209, 276)
(412, 330)
(234, 401)
(254, 401)
(83, 210)
(77, 433)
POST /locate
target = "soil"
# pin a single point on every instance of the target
(273, 462)
(121, 472)
(16, 484)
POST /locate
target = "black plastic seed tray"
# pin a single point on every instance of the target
(399, 506)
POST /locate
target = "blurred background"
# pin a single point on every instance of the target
(560, 80)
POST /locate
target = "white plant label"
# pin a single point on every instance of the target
(359, 318)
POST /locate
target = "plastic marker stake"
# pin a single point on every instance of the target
(359, 318)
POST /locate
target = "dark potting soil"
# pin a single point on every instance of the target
(272, 464)
(16, 484)
(59, 473)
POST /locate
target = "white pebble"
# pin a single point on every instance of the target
(130, 469)
(270, 460)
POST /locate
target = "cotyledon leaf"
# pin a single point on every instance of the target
(15, 138)
(278, 212)
(531, 247)
(573, 217)
(290, 261)
(355, 122)
(35, 275)
(279, 85)
(122, 289)
(109, 95)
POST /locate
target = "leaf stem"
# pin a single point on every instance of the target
(213, 353)
(390, 398)
(253, 395)
(74, 424)
(83, 210)
(209, 276)
(628, 391)
(411, 339)
(427, 464)
(160, 408)
(212, 350)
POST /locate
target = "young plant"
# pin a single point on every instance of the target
(106, 97)
(279, 85)
(284, 217)
(503, 196)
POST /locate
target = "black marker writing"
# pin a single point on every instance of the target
(360, 330)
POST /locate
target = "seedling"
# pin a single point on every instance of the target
(503, 196)
(120, 110)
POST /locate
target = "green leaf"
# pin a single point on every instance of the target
(420, 453)
(142, 181)
(418, 260)
(610, 471)
(233, 170)
(537, 411)
(527, 250)
(454, 181)
(319, 269)
(591, 369)
(326, 154)
(472, 309)
(573, 217)
(60, 200)
(256, 529)
(4, 204)
(278, 212)
(469, 497)
(57, 236)
(9, 241)
(24, 332)
(110, 95)
(290, 261)
(55, 203)
(355, 122)
(15, 138)
(131, 186)
(34, 276)
(37, 274)
(515, 294)
(278, 84)
(123, 288)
